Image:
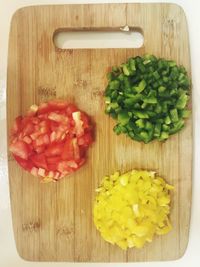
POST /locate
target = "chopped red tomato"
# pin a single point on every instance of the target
(17, 125)
(85, 120)
(68, 150)
(53, 167)
(53, 160)
(43, 108)
(52, 139)
(20, 149)
(39, 149)
(27, 165)
(28, 128)
(39, 160)
(70, 109)
(54, 150)
(63, 167)
(57, 104)
(85, 140)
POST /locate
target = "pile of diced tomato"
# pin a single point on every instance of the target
(52, 139)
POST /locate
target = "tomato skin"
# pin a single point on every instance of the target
(85, 120)
(53, 126)
(43, 108)
(27, 165)
(52, 139)
(40, 149)
(39, 160)
(81, 161)
(70, 109)
(53, 160)
(68, 150)
(85, 140)
(27, 140)
(53, 167)
(76, 149)
(28, 129)
(54, 150)
(57, 104)
(64, 167)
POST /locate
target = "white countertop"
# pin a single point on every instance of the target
(8, 253)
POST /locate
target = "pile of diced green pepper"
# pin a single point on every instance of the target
(148, 97)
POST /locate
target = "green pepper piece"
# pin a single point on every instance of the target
(164, 107)
(131, 134)
(172, 63)
(177, 127)
(124, 129)
(161, 89)
(148, 126)
(184, 82)
(107, 100)
(174, 92)
(157, 129)
(141, 67)
(126, 71)
(137, 138)
(182, 101)
(123, 117)
(132, 99)
(114, 85)
(144, 105)
(167, 120)
(130, 126)
(174, 115)
(147, 61)
(114, 105)
(140, 123)
(132, 65)
(181, 76)
(151, 113)
(156, 75)
(110, 76)
(165, 79)
(145, 136)
(114, 94)
(150, 100)
(163, 136)
(165, 127)
(117, 129)
(158, 108)
(185, 113)
(136, 106)
(141, 86)
(121, 77)
(140, 114)
(108, 109)
(113, 114)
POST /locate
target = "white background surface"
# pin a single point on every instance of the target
(8, 254)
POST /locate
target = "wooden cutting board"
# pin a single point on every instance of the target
(53, 222)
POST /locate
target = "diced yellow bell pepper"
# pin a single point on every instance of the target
(130, 209)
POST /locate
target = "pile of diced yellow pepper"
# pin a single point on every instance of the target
(131, 208)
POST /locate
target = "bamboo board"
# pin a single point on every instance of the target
(53, 222)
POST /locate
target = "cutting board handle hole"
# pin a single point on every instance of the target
(124, 37)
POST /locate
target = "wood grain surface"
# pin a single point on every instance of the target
(53, 222)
